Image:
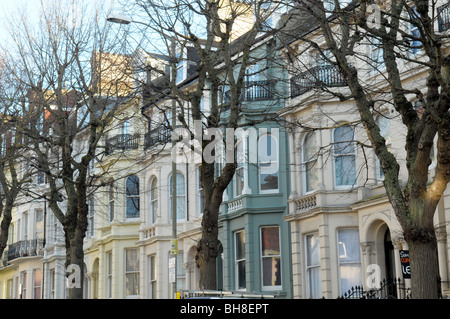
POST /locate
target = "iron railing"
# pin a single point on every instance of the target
(258, 90)
(160, 135)
(25, 248)
(388, 289)
(122, 142)
(316, 77)
(253, 91)
(444, 17)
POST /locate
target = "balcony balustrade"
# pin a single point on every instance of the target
(25, 248)
(160, 135)
(253, 91)
(122, 142)
(316, 77)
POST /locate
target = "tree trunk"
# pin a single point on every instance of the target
(424, 269)
(207, 248)
(75, 265)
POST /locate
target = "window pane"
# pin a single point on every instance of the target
(343, 137)
(268, 181)
(271, 271)
(132, 262)
(349, 248)
(267, 149)
(181, 200)
(270, 241)
(313, 250)
(345, 170)
(241, 275)
(271, 259)
(312, 178)
(132, 284)
(132, 185)
(349, 259)
(315, 284)
(240, 245)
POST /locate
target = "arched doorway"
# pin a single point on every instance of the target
(389, 255)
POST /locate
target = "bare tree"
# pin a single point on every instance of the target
(220, 35)
(73, 86)
(402, 35)
(12, 179)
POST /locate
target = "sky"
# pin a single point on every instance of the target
(9, 7)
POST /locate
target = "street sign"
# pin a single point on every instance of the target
(174, 246)
(172, 273)
(404, 260)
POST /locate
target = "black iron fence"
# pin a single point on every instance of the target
(387, 289)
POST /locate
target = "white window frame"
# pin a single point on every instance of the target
(179, 197)
(343, 263)
(109, 274)
(239, 172)
(152, 277)
(35, 286)
(270, 256)
(306, 162)
(131, 197)
(277, 162)
(335, 156)
(154, 200)
(111, 200)
(131, 272)
(238, 261)
(310, 267)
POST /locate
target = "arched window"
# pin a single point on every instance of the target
(344, 156)
(153, 200)
(180, 196)
(309, 162)
(132, 193)
(268, 163)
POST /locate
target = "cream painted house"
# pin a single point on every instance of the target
(344, 232)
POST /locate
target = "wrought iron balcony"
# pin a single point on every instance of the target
(121, 142)
(258, 90)
(160, 135)
(25, 248)
(316, 77)
(444, 17)
(253, 91)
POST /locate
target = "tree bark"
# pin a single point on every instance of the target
(424, 268)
